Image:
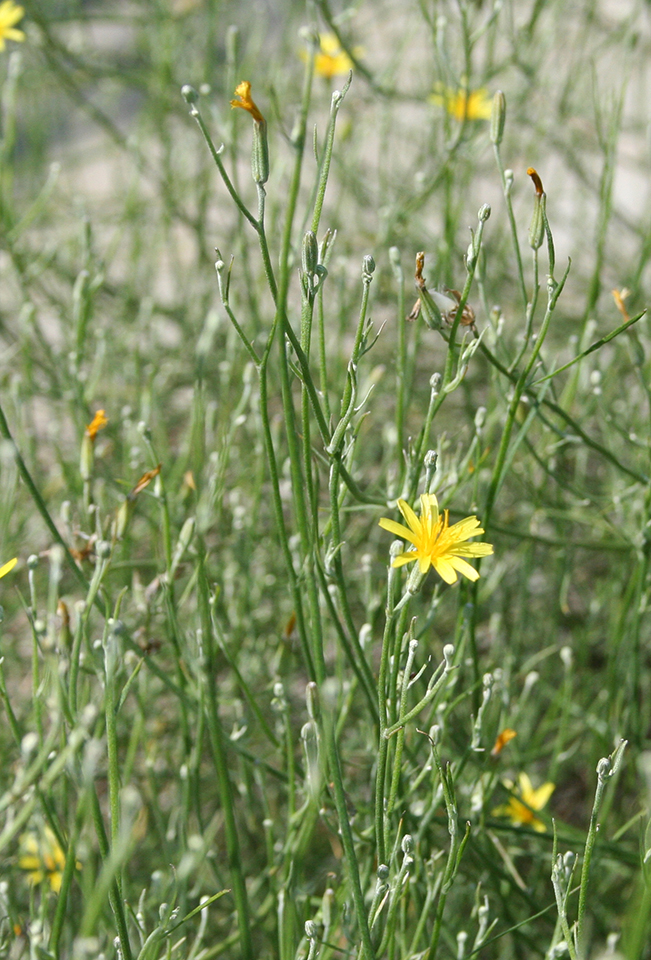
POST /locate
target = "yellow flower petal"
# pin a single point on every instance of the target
(10, 14)
(8, 567)
(400, 531)
(462, 567)
(404, 558)
(445, 570)
(410, 517)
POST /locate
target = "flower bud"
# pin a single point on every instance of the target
(537, 227)
(189, 94)
(260, 153)
(498, 118)
(368, 268)
(86, 458)
(309, 254)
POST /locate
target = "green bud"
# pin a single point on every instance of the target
(189, 94)
(310, 254)
(498, 118)
(537, 228)
(86, 458)
(123, 518)
(368, 268)
(260, 154)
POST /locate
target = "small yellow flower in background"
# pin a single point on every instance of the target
(521, 809)
(435, 543)
(8, 567)
(330, 60)
(98, 423)
(42, 858)
(462, 104)
(10, 14)
(246, 102)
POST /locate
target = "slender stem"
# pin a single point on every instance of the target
(40, 503)
(337, 100)
(506, 190)
(115, 898)
(220, 761)
(216, 155)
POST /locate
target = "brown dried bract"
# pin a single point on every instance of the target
(414, 313)
(418, 276)
(467, 314)
(144, 481)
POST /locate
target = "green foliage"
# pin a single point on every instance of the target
(232, 728)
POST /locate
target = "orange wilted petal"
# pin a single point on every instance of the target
(98, 423)
(144, 481)
(246, 102)
(537, 182)
(502, 740)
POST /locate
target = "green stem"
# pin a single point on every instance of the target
(506, 190)
(40, 503)
(220, 761)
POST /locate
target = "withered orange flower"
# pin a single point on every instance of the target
(246, 102)
(98, 423)
(502, 739)
(537, 182)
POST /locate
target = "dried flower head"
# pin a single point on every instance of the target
(246, 102)
(98, 423)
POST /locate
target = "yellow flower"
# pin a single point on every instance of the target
(521, 808)
(331, 60)
(8, 567)
(435, 543)
(243, 91)
(10, 14)
(462, 104)
(98, 423)
(42, 858)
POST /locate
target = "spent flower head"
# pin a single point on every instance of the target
(10, 14)
(246, 102)
(42, 858)
(463, 104)
(523, 805)
(436, 543)
(98, 423)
